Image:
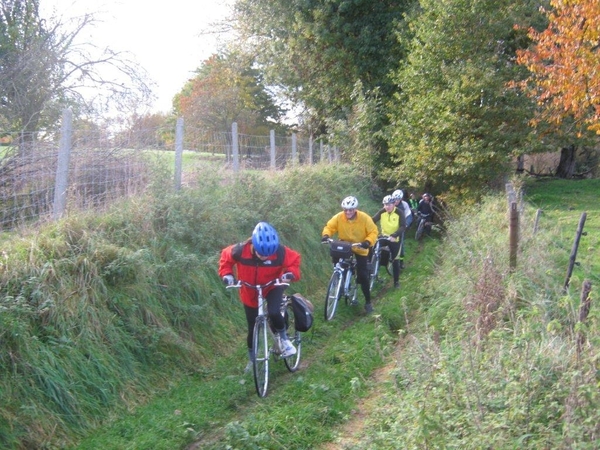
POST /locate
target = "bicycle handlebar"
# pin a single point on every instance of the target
(275, 282)
(329, 241)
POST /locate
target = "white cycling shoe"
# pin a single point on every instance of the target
(287, 348)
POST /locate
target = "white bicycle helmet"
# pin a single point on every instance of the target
(350, 202)
(397, 195)
(387, 200)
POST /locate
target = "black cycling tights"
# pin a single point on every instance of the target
(362, 276)
(274, 300)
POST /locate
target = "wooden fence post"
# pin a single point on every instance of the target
(235, 147)
(514, 235)
(178, 152)
(61, 182)
(537, 220)
(584, 311)
(272, 142)
(574, 249)
(510, 194)
(294, 149)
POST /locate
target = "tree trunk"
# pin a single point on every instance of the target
(566, 166)
(520, 164)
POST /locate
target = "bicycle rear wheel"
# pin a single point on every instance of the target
(260, 344)
(295, 336)
(333, 294)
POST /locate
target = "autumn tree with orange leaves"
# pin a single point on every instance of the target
(564, 64)
(565, 80)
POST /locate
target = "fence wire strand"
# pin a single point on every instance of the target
(107, 166)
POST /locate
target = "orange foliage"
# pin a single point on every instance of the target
(565, 63)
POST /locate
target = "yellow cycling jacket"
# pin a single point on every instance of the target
(360, 228)
(392, 223)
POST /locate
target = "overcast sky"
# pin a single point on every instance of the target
(163, 36)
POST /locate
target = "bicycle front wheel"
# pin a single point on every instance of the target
(351, 287)
(333, 294)
(260, 344)
(374, 268)
(420, 228)
(295, 336)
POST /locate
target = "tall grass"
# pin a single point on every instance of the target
(99, 313)
(120, 320)
(494, 362)
(466, 355)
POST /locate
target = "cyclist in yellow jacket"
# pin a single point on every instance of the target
(392, 223)
(355, 226)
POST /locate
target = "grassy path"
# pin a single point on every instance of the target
(343, 363)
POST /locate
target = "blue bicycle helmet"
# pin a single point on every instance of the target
(265, 239)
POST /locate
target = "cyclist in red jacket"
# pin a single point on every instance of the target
(259, 260)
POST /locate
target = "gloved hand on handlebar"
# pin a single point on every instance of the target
(324, 239)
(288, 276)
(228, 280)
(365, 244)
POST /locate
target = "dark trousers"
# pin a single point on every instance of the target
(362, 274)
(274, 309)
(394, 250)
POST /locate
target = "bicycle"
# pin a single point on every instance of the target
(422, 224)
(343, 279)
(263, 339)
(380, 257)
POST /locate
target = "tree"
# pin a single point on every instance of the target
(564, 62)
(227, 89)
(564, 80)
(43, 68)
(455, 125)
(144, 131)
(316, 51)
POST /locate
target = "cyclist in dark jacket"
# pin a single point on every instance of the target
(398, 197)
(425, 208)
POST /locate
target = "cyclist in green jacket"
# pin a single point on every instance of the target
(413, 203)
(392, 223)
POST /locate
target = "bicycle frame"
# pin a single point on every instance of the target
(263, 339)
(382, 242)
(342, 283)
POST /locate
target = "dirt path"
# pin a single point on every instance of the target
(351, 432)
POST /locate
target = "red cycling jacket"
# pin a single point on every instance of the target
(239, 260)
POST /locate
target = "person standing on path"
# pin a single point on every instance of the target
(355, 226)
(398, 197)
(392, 223)
(259, 260)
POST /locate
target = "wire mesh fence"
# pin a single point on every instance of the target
(44, 176)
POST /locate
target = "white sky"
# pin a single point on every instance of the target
(162, 36)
